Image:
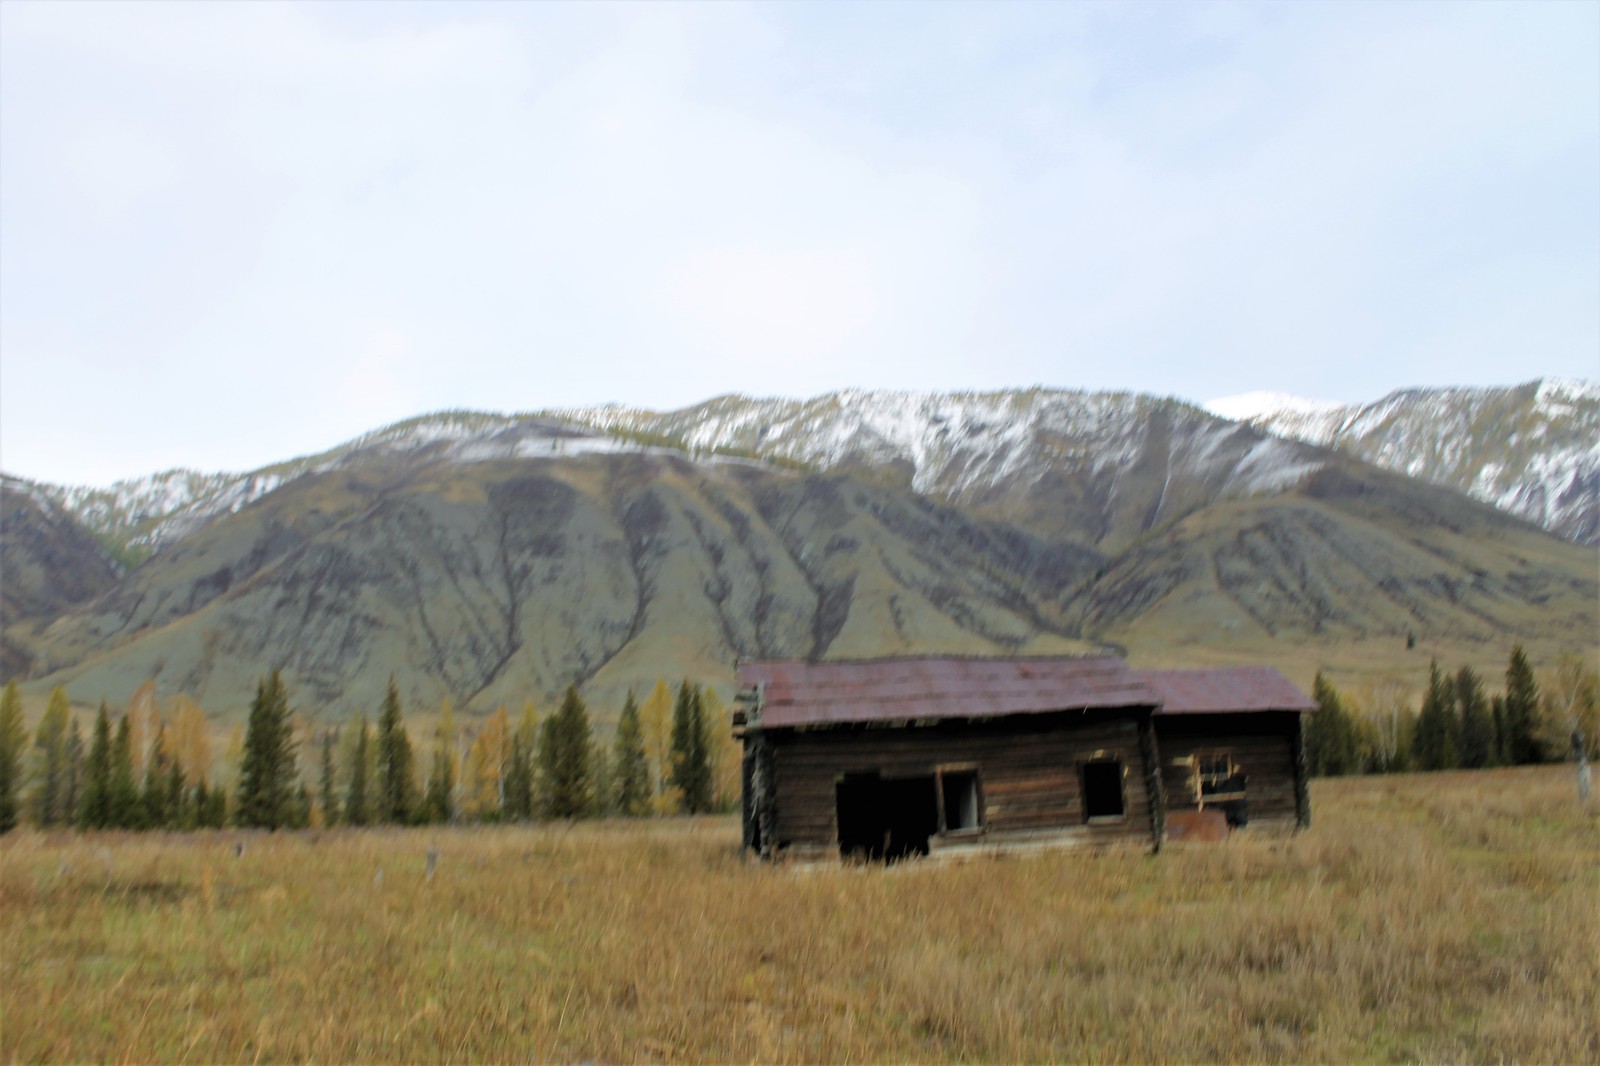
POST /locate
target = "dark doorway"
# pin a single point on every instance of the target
(886, 818)
(1102, 789)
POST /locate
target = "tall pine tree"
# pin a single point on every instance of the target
(1330, 733)
(1435, 746)
(564, 750)
(439, 804)
(357, 804)
(50, 773)
(95, 810)
(267, 785)
(516, 783)
(691, 764)
(328, 791)
(74, 788)
(1521, 710)
(13, 749)
(123, 808)
(396, 791)
(1477, 724)
(630, 769)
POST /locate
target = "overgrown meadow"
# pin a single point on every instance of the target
(1436, 917)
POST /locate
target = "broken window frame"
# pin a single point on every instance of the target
(979, 825)
(1207, 774)
(1103, 759)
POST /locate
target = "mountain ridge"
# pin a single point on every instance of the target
(1531, 449)
(910, 432)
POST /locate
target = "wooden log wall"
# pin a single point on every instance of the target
(1262, 745)
(1028, 771)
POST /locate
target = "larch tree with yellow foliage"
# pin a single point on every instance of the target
(486, 766)
(725, 754)
(144, 725)
(655, 724)
(189, 740)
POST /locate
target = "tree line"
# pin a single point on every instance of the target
(154, 771)
(1459, 725)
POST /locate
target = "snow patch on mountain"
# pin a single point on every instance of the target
(1532, 450)
(1248, 406)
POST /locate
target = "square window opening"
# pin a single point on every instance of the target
(1102, 789)
(962, 809)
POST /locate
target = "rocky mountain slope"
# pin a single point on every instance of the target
(484, 558)
(1532, 450)
(49, 563)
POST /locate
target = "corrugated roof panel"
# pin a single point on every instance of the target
(1223, 689)
(804, 693)
(801, 693)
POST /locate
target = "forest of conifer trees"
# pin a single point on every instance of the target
(1459, 725)
(150, 768)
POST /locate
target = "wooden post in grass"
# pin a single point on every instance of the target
(1584, 775)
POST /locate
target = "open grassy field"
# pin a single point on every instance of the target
(1435, 917)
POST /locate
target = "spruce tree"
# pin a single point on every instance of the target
(13, 748)
(396, 799)
(330, 804)
(94, 812)
(1435, 747)
(179, 813)
(1330, 733)
(600, 789)
(213, 806)
(1522, 706)
(630, 769)
(439, 804)
(691, 765)
(74, 790)
(123, 806)
(355, 799)
(564, 750)
(50, 775)
(516, 785)
(1477, 725)
(153, 798)
(267, 772)
(1497, 712)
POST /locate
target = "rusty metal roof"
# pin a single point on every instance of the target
(1225, 689)
(800, 693)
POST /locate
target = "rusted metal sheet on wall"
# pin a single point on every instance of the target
(1202, 826)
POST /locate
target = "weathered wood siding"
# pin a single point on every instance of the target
(1028, 772)
(1262, 745)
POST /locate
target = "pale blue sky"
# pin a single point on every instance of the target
(234, 233)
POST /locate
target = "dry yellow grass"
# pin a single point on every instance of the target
(1439, 917)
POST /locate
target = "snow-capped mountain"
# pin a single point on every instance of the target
(962, 445)
(1532, 450)
(481, 557)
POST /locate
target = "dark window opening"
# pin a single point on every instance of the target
(1102, 789)
(886, 818)
(962, 808)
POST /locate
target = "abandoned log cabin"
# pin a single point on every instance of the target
(895, 757)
